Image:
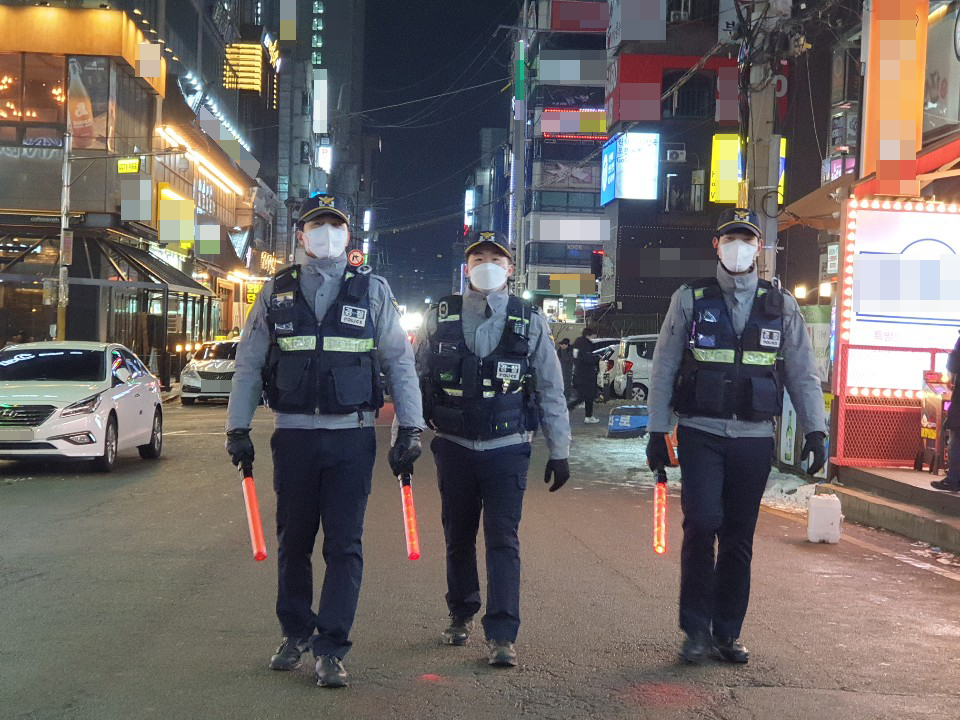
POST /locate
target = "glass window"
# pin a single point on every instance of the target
(43, 88)
(317, 58)
(552, 198)
(317, 40)
(317, 23)
(695, 98)
(583, 200)
(42, 137)
(8, 135)
(53, 365)
(10, 72)
(136, 369)
(218, 351)
(317, 7)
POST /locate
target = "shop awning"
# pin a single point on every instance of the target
(161, 272)
(817, 209)
(937, 159)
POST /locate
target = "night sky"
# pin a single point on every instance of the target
(413, 51)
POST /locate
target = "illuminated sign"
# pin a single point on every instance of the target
(630, 167)
(468, 206)
(325, 158)
(273, 52)
(783, 169)
(725, 168)
(320, 101)
(244, 67)
(128, 165)
(573, 120)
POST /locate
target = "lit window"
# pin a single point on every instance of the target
(317, 7)
(317, 23)
(317, 40)
(316, 59)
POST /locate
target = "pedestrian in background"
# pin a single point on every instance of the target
(565, 355)
(952, 425)
(314, 344)
(728, 346)
(490, 377)
(586, 365)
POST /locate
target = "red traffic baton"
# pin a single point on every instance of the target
(253, 514)
(409, 516)
(660, 513)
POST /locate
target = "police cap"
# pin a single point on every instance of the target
(318, 206)
(734, 219)
(487, 240)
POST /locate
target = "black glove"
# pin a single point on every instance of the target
(405, 451)
(658, 457)
(560, 469)
(240, 447)
(814, 444)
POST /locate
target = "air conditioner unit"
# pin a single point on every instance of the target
(679, 16)
(677, 156)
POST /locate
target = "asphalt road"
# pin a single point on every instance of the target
(134, 595)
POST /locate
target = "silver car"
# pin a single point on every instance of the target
(209, 374)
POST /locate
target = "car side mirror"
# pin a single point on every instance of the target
(122, 375)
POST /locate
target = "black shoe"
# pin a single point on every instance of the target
(695, 648)
(287, 656)
(459, 631)
(731, 650)
(944, 485)
(502, 654)
(330, 672)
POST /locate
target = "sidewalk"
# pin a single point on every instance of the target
(172, 394)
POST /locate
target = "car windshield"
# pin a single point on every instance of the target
(218, 351)
(55, 364)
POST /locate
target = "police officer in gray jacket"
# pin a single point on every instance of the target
(314, 345)
(728, 346)
(490, 377)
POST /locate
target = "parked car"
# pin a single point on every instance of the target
(209, 374)
(77, 400)
(630, 374)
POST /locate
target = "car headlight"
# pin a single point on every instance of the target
(190, 370)
(82, 407)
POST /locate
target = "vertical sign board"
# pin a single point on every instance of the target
(320, 108)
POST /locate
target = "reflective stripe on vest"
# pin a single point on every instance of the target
(716, 356)
(753, 357)
(448, 318)
(298, 342)
(351, 345)
(454, 392)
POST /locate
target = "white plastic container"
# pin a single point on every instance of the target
(823, 519)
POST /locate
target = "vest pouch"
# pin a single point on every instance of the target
(710, 393)
(446, 366)
(292, 378)
(448, 420)
(470, 376)
(765, 398)
(352, 384)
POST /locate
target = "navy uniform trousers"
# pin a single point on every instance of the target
(722, 483)
(490, 483)
(322, 479)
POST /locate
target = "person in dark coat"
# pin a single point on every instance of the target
(952, 481)
(565, 353)
(585, 368)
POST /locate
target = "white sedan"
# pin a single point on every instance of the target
(209, 374)
(77, 400)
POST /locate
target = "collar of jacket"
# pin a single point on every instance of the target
(325, 267)
(742, 287)
(476, 301)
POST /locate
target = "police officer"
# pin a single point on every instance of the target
(952, 424)
(728, 346)
(314, 344)
(490, 377)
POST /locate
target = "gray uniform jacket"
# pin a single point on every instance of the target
(320, 283)
(800, 364)
(482, 335)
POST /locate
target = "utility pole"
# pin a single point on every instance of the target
(65, 256)
(518, 175)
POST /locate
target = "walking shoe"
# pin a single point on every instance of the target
(330, 672)
(287, 656)
(731, 650)
(944, 485)
(590, 420)
(502, 654)
(695, 648)
(459, 631)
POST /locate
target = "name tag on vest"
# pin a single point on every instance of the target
(508, 371)
(770, 338)
(353, 316)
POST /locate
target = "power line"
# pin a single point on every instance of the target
(429, 97)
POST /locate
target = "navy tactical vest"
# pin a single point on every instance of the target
(326, 368)
(480, 398)
(723, 375)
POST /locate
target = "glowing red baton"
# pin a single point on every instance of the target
(253, 514)
(660, 513)
(409, 517)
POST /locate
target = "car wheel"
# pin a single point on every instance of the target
(105, 462)
(638, 393)
(187, 401)
(151, 451)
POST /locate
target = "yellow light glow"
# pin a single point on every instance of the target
(826, 289)
(206, 165)
(179, 348)
(800, 291)
(168, 194)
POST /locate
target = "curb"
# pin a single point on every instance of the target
(173, 395)
(914, 522)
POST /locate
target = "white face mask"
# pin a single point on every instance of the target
(737, 255)
(488, 276)
(326, 241)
